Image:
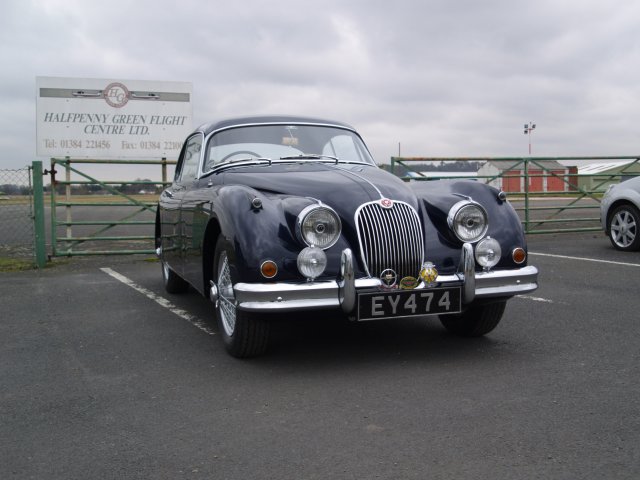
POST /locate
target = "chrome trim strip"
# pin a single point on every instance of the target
(365, 180)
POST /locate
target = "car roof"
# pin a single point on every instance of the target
(265, 119)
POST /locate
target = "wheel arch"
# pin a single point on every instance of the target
(212, 232)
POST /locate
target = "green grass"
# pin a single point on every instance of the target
(8, 264)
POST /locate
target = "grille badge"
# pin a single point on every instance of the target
(389, 278)
(386, 203)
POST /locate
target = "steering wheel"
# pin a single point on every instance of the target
(240, 152)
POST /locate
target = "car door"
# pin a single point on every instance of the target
(174, 231)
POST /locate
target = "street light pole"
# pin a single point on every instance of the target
(528, 128)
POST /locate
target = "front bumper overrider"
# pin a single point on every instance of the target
(341, 293)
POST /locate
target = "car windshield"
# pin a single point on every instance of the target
(285, 143)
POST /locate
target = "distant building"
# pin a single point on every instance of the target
(598, 176)
(509, 176)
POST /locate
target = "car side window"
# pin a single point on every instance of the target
(191, 159)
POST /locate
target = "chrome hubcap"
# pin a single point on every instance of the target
(623, 229)
(226, 301)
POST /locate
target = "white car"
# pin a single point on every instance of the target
(620, 214)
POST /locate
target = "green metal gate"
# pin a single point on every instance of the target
(109, 219)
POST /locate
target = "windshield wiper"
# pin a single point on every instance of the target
(250, 159)
(310, 156)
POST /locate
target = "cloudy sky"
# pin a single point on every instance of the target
(439, 77)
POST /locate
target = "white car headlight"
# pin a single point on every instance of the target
(319, 226)
(468, 220)
(488, 252)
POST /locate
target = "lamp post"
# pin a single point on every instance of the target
(528, 128)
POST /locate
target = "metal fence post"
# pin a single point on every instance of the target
(38, 215)
(54, 213)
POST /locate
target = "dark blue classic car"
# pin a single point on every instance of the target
(286, 214)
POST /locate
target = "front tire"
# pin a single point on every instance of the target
(476, 321)
(623, 228)
(244, 334)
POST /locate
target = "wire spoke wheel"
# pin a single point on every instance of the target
(227, 299)
(244, 333)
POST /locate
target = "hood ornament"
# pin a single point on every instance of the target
(386, 203)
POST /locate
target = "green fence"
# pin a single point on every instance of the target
(89, 216)
(547, 192)
(102, 217)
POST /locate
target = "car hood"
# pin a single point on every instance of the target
(335, 185)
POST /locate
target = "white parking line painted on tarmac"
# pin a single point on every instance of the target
(584, 259)
(193, 320)
(535, 299)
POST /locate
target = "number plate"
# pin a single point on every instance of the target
(408, 303)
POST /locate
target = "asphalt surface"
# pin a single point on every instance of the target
(103, 380)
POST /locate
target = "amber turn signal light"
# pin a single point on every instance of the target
(269, 269)
(519, 255)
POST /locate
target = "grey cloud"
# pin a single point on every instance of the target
(441, 77)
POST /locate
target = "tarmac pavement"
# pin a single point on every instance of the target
(105, 379)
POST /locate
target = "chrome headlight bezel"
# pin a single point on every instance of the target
(318, 226)
(468, 220)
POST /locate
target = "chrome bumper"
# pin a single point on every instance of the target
(341, 293)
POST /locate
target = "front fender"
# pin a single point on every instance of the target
(261, 226)
(436, 199)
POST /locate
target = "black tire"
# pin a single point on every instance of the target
(624, 224)
(172, 282)
(476, 321)
(244, 334)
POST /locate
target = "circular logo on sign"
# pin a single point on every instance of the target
(116, 95)
(386, 203)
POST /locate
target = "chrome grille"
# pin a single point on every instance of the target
(390, 238)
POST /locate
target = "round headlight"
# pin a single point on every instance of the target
(468, 220)
(488, 252)
(311, 262)
(319, 226)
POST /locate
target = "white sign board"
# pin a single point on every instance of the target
(98, 118)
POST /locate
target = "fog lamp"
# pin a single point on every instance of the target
(311, 262)
(488, 252)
